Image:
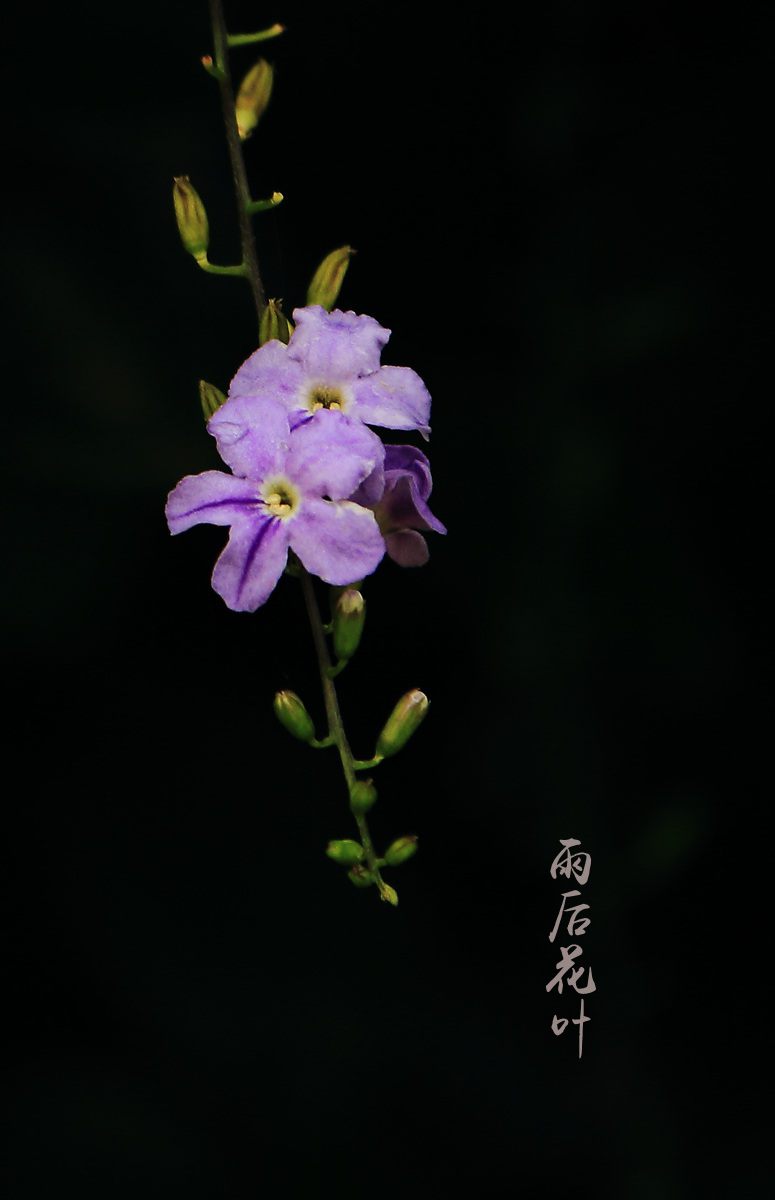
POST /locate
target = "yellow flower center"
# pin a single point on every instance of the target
(323, 395)
(281, 497)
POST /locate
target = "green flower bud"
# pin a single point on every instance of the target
(390, 894)
(400, 850)
(363, 796)
(253, 97)
(402, 722)
(327, 280)
(291, 713)
(360, 876)
(345, 851)
(210, 397)
(191, 217)
(274, 325)
(349, 616)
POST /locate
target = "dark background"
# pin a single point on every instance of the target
(560, 215)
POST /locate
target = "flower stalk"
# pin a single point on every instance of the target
(337, 731)
(222, 75)
(287, 485)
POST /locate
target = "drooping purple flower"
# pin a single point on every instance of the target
(332, 362)
(288, 489)
(398, 496)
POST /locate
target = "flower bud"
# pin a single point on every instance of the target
(291, 713)
(389, 893)
(360, 876)
(400, 850)
(327, 280)
(363, 796)
(345, 851)
(274, 325)
(191, 217)
(210, 397)
(253, 97)
(402, 722)
(349, 616)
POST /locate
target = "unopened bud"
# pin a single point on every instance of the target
(360, 876)
(388, 893)
(291, 713)
(191, 217)
(253, 97)
(363, 796)
(210, 397)
(349, 616)
(274, 325)
(345, 851)
(402, 722)
(400, 850)
(327, 280)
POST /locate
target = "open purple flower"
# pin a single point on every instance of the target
(398, 496)
(332, 362)
(288, 489)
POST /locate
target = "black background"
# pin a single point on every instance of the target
(559, 212)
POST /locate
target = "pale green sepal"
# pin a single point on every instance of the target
(274, 325)
(210, 397)
(191, 217)
(405, 718)
(363, 796)
(327, 280)
(291, 713)
(345, 851)
(400, 850)
(253, 97)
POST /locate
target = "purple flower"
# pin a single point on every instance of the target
(400, 503)
(332, 362)
(288, 489)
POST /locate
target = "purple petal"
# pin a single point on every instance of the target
(252, 435)
(410, 459)
(370, 491)
(395, 398)
(336, 346)
(402, 506)
(254, 559)
(299, 416)
(408, 485)
(212, 498)
(407, 547)
(269, 374)
(339, 542)
(331, 454)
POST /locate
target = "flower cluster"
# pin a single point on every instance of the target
(307, 473)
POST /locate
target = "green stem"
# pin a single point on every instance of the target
(249, 256)
(335, 723)
(238, 272)
(259, 206)
(250, 39)
(367, 764)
